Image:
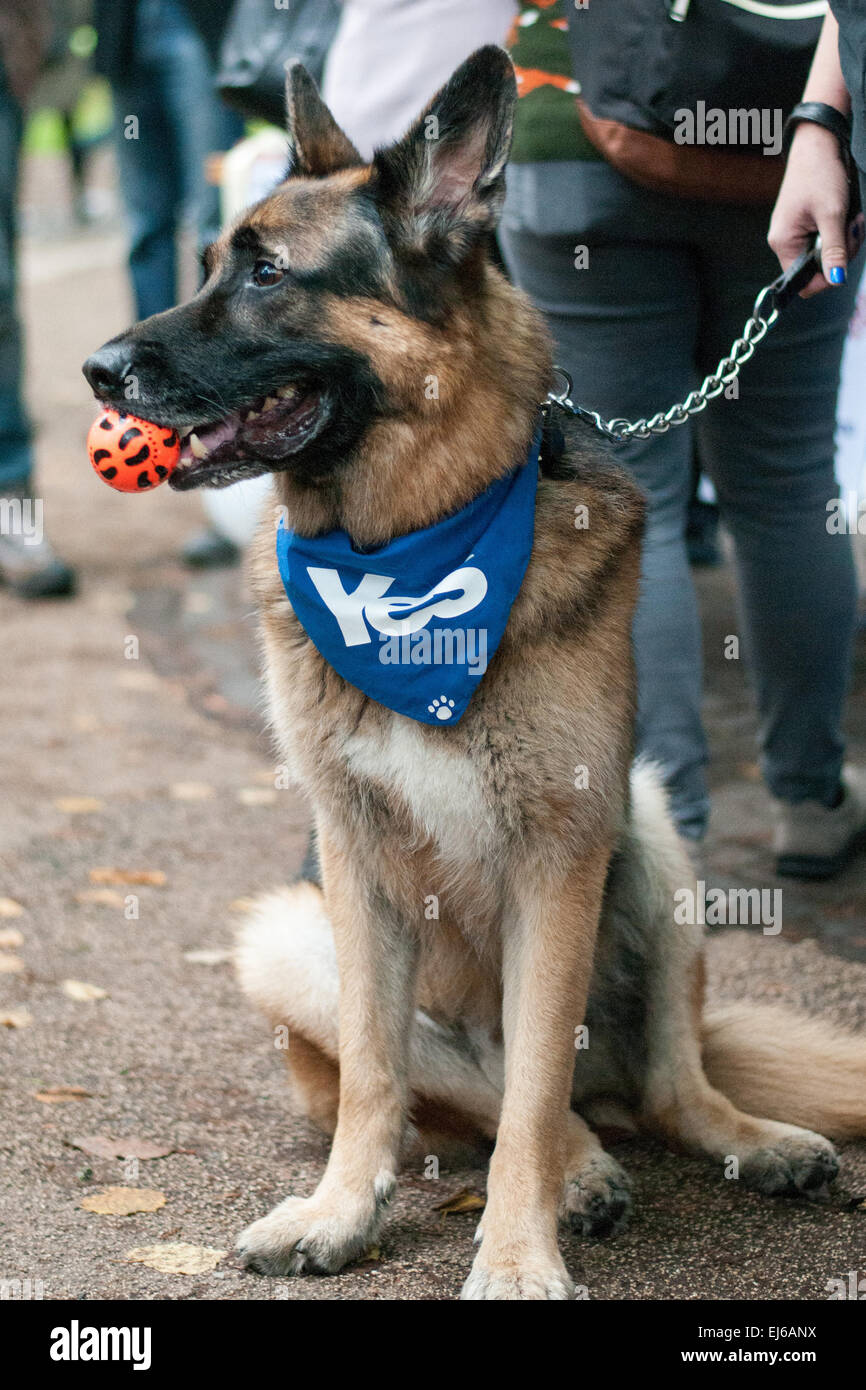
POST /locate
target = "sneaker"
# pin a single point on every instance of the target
(815, 841)
(32, 568)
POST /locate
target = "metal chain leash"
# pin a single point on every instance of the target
(759, 323)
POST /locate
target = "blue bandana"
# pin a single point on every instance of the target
(415, 623)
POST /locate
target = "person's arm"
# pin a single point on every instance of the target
(814, 193)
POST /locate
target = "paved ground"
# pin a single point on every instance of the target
(172, 1053)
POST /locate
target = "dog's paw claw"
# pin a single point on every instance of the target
(301, 1236)
(598, 1199)
(801, 1164)
(534, 1279)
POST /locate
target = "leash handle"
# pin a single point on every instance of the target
(789, 284)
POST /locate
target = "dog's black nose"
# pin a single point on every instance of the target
(107, 369)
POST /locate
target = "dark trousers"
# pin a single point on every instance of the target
(668, 287)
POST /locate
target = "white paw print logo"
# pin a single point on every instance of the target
(443, 708)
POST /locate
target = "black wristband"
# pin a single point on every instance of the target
(820, 113)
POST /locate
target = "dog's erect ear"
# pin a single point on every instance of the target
(317, 145)
(444, 182)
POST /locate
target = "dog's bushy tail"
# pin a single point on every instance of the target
(788, 1067)
(770, 1062)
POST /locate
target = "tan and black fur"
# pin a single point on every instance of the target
(554, 899)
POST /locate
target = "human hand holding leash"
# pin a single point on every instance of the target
(814, 198)
(818, 195)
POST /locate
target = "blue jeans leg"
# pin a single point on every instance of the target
(180, 121)
(151, 187)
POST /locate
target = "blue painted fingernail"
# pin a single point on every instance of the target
(837, 275)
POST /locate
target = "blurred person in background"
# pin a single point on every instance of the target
(63, 81)
(28, 564)
(160, 57)
(390, 56)
(665, 285)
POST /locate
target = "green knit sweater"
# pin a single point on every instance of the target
(547, 126)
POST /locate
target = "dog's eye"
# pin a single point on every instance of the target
(266, 273)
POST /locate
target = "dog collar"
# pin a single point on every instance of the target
(415, 623)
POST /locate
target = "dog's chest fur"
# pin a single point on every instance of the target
(364, 764)
(442, 790)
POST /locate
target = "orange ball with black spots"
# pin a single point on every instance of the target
(132, 455)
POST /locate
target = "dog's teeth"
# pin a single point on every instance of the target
(287, 392)
(200, 451)
(270, 402)
(252, 415)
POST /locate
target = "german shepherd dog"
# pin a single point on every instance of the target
(305, 355)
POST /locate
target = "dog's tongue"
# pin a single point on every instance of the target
(212, 436)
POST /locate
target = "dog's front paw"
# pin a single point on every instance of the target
(517, 1276)
(799, 1163)
(310, 1235)
(597, 1201)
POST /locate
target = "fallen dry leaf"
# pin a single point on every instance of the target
(81, 991)
(113, 599)
(197, 602)
(464, 1200)
(16, 1018)
(9, 937)
(56, 1095)
(177, 1259)
(207, 957)
(11, 965)
(215, 703)
(9, 908)
(138, 680)
(123, 1201)
(101, 897)
(78, 805)
(101, 1146)
(85, 723)
(152, 876)
(242, 904)
(257, 796)
(190, 791)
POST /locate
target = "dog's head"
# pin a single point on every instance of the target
(321, 299)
